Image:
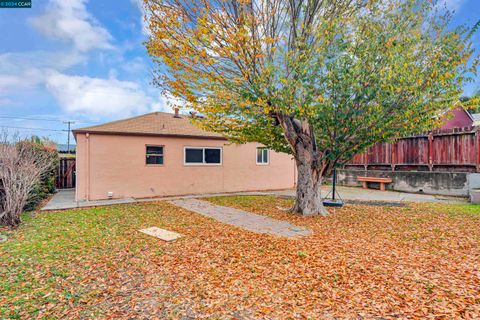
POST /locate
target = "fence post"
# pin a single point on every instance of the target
(394, 153)
(477, 150)
(365, 160)
(430, 151)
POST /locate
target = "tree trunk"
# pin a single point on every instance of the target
(310, 166)
(308, 200)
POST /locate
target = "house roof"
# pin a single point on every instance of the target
(155, 124)
(62, 147)
(476, 117)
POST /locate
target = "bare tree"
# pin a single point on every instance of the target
(22, 165)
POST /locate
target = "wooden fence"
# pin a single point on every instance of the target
(455, 149)
(65, 176)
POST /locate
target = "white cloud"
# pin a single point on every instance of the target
(71, 22)
(144, 17)
(99, 97)
(135, 66)
(139, 4)
(88, 97)
(20, 82)
(19, 72)
(451, 5)
(11, 62)
(167, 102)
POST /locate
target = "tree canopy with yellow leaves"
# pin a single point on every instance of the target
(320, 79)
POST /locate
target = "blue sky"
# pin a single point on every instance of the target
(85, 61)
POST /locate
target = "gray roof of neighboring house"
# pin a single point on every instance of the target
(63, 147)
(475, 117)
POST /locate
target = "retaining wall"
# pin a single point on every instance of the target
(438, 183)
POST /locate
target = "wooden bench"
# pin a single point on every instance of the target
(382, 181)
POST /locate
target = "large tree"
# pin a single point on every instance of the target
(319, 79)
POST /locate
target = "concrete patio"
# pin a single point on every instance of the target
(65, 199)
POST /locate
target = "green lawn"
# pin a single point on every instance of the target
(418, 261)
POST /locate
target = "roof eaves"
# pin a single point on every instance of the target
(123, 133)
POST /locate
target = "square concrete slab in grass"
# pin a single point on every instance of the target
(161, 233)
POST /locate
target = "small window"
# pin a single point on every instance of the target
(195, 155)
(212, 155)
(262, 156)
(154, 155)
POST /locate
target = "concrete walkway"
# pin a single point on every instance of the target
(65, 199)
(242, 219)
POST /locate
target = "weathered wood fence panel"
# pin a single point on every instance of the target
(441, 150)
(65, 176)
(380, 154)
(412, 151)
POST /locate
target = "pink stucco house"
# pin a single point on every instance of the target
(163, 154)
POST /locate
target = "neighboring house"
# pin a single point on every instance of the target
(162, 154)
(65, 149)
(476, 119)
(461, 118)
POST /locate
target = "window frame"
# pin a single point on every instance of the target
(154, 155)
(268, 156)
(185, 163)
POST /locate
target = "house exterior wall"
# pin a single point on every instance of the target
(459, 119)
(116, 163)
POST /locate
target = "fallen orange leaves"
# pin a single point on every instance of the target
(362, 262)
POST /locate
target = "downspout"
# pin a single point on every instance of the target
(87, 173)
(76, 169)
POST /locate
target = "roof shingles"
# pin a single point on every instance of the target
(156, 123)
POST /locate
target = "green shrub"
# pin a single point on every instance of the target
(46, 186)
